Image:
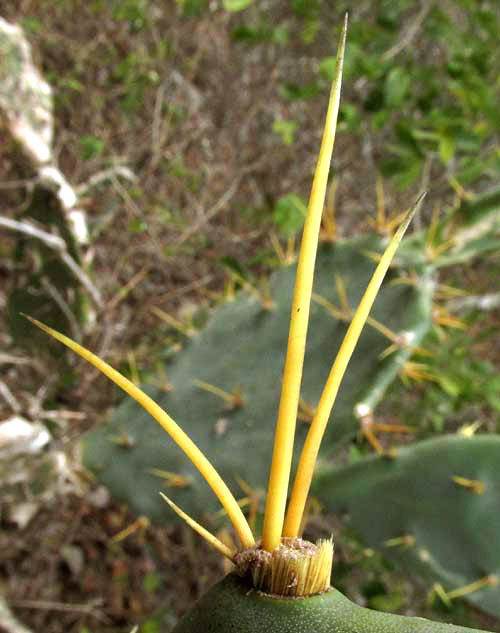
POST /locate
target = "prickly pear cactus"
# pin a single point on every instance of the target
(434, 507)
(243, 346)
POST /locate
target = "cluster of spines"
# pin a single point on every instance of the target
(314, 565)
(295, 568)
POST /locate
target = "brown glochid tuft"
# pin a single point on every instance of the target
(294, 569)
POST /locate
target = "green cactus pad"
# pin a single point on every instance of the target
(411, 508)
(231, 606)
(244, 345)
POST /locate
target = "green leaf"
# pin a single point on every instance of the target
(310, 30)
(493, 393)
(295, 92)
(90, 147)
(236, 5)
(349, 118)
(387, 602)
(286, 129)
(446, 149)
(396, 87)
(326, 67)
(305, 8)
(262, 32)
(191, 7)
(450, 386)
(289, 213)
(151, 582)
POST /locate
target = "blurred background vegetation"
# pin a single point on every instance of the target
(189, 131)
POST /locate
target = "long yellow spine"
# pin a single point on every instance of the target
(290, 393)
(313, 439)
(212, 477)
(212, 540)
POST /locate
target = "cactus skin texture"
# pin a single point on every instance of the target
(413, 509)
(232, 607)
(243, 345)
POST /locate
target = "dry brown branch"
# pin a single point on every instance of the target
(409, 34)
(55, 243)
(52, 241)
(90, 608)
(9, 397)
(489, 301)
(211, 213)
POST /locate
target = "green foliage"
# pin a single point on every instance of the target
(90, 147)
(292, 91)
(236, 5)
(437, 105)
(412, 507)
(191, 7)
(134, 74)
(151, 582)
(463, 388)
(423, 94)
(177, 167)
(134, 12)
(289, 213)
(306, 8)
(396, 87)
(243, 346)
(260, 33)
(286, 129)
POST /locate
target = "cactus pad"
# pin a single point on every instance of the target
(243, 345)
(231, 606)
(434, 507)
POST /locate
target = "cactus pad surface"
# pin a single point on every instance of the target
(434, 508)
(232, 606)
